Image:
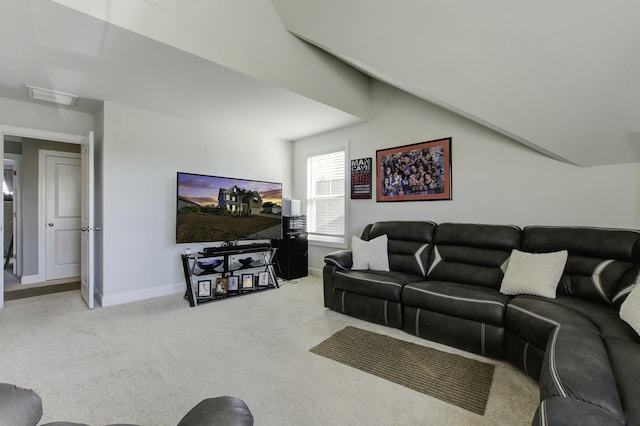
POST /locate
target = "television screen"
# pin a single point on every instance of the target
(214, 208)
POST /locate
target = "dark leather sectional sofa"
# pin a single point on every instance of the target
(443, 285)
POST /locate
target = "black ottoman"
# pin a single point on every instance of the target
(220, 411)
(18, 406)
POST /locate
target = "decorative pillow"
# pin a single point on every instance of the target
(630, 309)
(537, 274)
(370, 254)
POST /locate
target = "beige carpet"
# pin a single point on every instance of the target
(149, 362)
(449, 377)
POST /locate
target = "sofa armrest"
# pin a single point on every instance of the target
(559, 411)
(341, 259)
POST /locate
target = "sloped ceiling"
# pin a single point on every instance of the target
(49, 45)
(560, 77)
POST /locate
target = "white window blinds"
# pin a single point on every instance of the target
(326, 195)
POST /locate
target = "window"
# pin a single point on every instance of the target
(326, 202)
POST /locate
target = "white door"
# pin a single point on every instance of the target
(86, 222)
(62, 223)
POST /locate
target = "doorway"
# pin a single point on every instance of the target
(49, 256)
(28, 257)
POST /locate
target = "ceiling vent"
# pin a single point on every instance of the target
(46, 95)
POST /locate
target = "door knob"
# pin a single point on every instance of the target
(83, 229)
(50, 224)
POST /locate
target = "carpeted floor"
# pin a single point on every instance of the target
(149, 362)
(452, 378)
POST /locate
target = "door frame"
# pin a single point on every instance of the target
(17, 211)
(42, 207)
(6, 130)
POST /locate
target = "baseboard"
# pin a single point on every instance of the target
(31, 279)
(316, 272)
(136, 296)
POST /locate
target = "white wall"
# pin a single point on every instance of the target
(495, 180)
(141, 153)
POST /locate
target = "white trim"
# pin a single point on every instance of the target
(42, 216)
(17, 208)
(462, 299)
(418, 260)
(317, 272)
(344, 274)
(341, 242)
(138, 295)
(595, 278)
(30, 279)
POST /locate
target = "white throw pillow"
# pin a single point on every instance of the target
(630, 309)
(370, 254)
(537, 274)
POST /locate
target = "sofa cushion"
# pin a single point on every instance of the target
(378, 284)
(533, 273)
(533, 318)
(409, 244)
(600, 263)
(370, 254)
(472, 253)
(470, 302)
(560, 411)
(577, 366)
(630, 309)
(19, 406)
(625, 364)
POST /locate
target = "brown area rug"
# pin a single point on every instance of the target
(451, 378)
(39, 291)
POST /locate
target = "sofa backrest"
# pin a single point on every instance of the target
(602, 264)
(409, 244)
(472, 253)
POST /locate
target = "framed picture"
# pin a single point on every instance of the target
(204, 289)
(247, 282)
(221, 286)
(361, 178)
(233, 283)
(263, 279)
(417, 172)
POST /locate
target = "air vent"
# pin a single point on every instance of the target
(46, 95)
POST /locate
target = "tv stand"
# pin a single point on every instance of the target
(230, 265)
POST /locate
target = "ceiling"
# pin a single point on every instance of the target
(51, 46)
(558, 77)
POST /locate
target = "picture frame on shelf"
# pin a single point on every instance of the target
(233, 283)
(248, 282)
(263, 279)
(204, 289)
(416, 172)
(222, 285)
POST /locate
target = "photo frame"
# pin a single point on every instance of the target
(416, 172)
(233, 283)
(204, 289)
(247, 282)
(263, 279)
(222, 285)
(361, 178)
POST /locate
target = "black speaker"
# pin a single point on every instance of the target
(292, 257)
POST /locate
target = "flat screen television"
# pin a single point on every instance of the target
(215, 208)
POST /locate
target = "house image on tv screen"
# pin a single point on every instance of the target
(237, 200)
